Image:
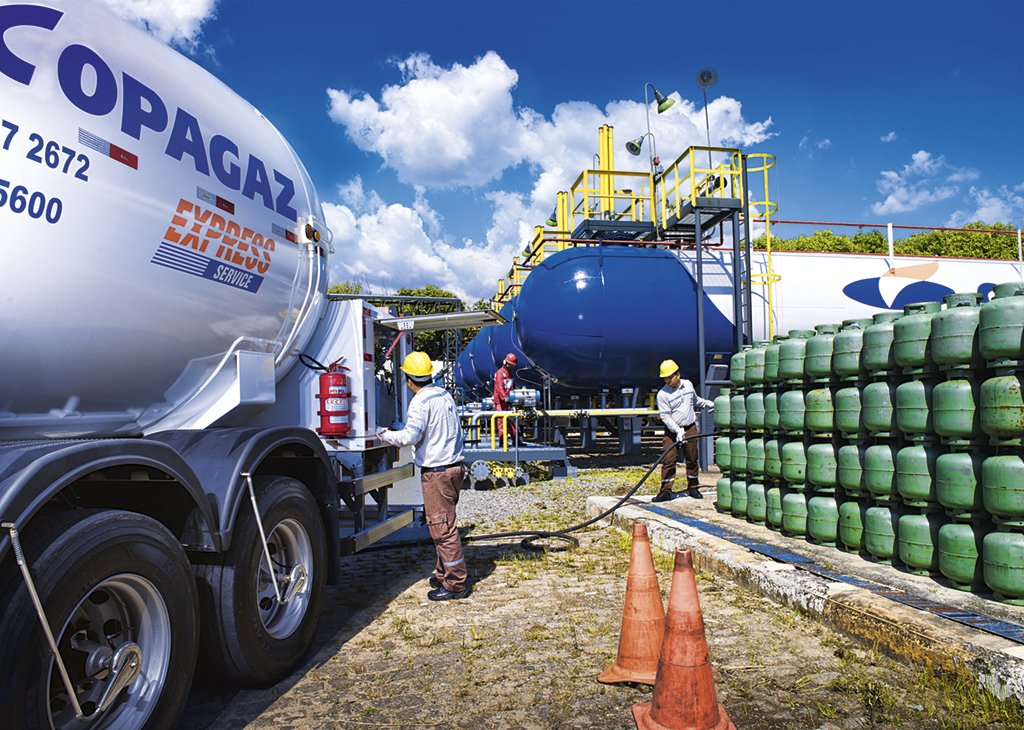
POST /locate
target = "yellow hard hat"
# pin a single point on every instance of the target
(417, 364)
(668, 367)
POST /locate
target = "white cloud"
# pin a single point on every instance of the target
(459, 127)
(389, 246)
(1004, 205)
(925, 179)
(808, 146)
(443, 127)
(888, 137)
(178, 23)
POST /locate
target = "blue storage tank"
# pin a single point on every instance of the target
(482, 363)
(503, 340)
(606, 316)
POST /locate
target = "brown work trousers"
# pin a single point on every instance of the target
(668, 462)
(440, 495)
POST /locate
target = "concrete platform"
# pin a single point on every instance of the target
(899, 630)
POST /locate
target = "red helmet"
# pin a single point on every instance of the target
(511, 358)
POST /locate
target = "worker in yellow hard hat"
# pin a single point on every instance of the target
(432, 426)
(676, 407)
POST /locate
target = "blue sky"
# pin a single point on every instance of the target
(438, 133)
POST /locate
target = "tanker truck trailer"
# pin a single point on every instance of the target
(187, 421)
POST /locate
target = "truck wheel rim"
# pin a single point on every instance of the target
(121, 609)
(289, 546)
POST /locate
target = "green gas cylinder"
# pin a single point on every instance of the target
(819, 411)
(722, 453)
(960, 551)
(850, 468)
(822, 519)
(792, 354)
(738, 503)
(738, 455)
(846, 348)
(821, 464)
(911, 336)
(722, 410)
(918, 539)
(877, 349)
(851, 524)
(818, 354)
(1002, 407)
(773, 508)
(955, 413)
(958, 482)
(955, 332)
(1003, 557)
(1002, 487)
(753, 364)
(1001, 324)
(756, 503)
(736, 368)
(794, 513)
(755, 457)
(772, 459)
(878, 411)
(914, 408)
(771, 410)
(754, 404)
(880, 470)
(794, 463)
(915, 474)
(723, 493)
(771, 359)
(848, 406)
(791, 411)
(737, 410)
(881, 524)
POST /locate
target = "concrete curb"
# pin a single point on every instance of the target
(903, 632)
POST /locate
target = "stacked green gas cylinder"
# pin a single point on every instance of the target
(897, 437)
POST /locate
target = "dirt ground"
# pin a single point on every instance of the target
(525, 649)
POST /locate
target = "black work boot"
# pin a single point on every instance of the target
(443, 594)
(695, 493)
(663, 496)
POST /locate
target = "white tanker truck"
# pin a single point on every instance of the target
(164, 493)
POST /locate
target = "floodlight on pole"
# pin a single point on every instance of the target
(706, 78)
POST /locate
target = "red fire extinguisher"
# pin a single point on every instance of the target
(335, 399)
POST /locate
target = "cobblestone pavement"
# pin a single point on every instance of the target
(524, 650)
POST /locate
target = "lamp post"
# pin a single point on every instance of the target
(634, 145)
(706, 78)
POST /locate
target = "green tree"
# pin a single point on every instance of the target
(347, 287)
(431, 343)
(962, 244)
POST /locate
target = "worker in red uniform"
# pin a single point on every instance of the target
(504, 383)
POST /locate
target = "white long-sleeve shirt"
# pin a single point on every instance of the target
(675, 405)
(432, 426)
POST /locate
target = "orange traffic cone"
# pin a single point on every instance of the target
(643, 620)
(684, 693)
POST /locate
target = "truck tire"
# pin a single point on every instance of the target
(248, 637)
(105, 578)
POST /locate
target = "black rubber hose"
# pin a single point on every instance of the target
(529, 536)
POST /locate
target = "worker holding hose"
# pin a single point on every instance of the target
(432, 426)
(676, 407)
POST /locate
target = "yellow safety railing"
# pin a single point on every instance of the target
(694, 174)
(504, 431)
(612, 195)
(764, 207)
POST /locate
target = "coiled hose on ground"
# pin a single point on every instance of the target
(531, 536)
